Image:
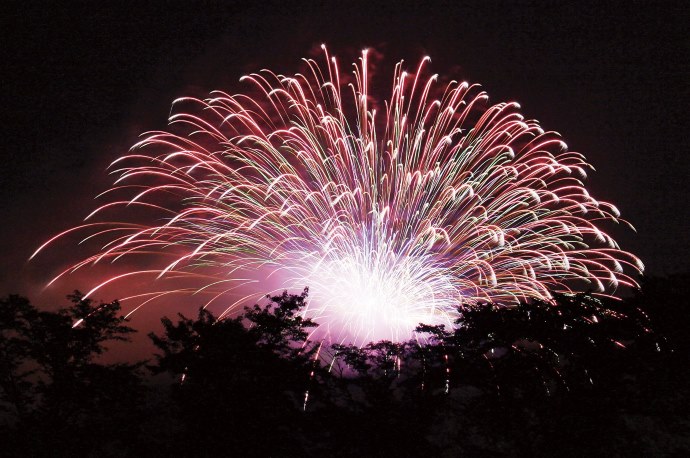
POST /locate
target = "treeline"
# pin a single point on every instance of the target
(581, 377)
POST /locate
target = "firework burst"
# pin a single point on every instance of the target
(393, 216)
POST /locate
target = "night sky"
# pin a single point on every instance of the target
(80, 83)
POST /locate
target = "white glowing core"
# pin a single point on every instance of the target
(361, 299)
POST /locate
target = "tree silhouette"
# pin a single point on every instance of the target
(544, 376)
(576, 376)
(16, 390)
(53, 378)
(247, 376)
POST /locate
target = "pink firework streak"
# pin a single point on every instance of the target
(393, 217)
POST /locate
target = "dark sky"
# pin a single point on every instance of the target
(79, 83)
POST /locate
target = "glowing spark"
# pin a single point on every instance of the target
(393, 214)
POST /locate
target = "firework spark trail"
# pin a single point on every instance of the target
(391, 218)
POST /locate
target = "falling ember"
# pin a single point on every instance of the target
(392, 218)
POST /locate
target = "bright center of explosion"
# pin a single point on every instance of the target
(394, 209)
(360, 300)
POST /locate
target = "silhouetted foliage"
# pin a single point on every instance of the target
(579, 376)
(52, 378)
(246, 375)
(525, 365)
(16, 391)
